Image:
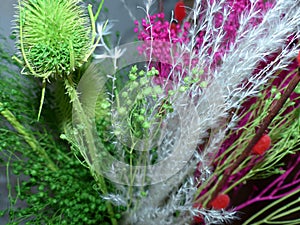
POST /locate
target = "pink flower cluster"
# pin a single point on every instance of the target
(160, 39)
(238, 7)
(166, 35)
(232, 24)
(157, 28)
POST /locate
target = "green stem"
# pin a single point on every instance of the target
(286, 213)
(100, 180)
(269, 207)
(275, 108)
(42, 99)
(90, 10)
(98, 11)
(95, 168)
(30, 140)
(93, 24)
(245, 178)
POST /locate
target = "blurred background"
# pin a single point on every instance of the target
(115, 10)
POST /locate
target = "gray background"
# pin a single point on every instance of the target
(116, 13)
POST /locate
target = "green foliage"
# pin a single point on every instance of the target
(284, 132)
(62, 193)
(66, 196)
(136, 108)
(14, 88)
(284, 210)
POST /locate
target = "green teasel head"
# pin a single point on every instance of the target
(54, 37)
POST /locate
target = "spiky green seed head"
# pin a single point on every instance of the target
(54, 36)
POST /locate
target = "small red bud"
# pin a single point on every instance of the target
(198, 219)
(298, 59)
(262, 145)
(179, 11)
(174, 26)
(197, 205)
(220, 202)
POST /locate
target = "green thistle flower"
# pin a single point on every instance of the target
(54, 36)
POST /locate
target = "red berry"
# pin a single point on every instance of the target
(198, 219)
(298, 59)
(197, 205)
(179, 11)
(262, 145)
(220, 202)
(174, 26)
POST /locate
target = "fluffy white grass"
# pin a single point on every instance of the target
(227, 89)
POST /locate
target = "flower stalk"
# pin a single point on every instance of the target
(276, 214)
(274, 110)
(30, 140)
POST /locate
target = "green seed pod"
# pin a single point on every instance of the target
(146, 125)
(54, 36)
(140, 118)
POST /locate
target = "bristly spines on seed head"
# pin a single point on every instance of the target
(54, 36)
(54, 39)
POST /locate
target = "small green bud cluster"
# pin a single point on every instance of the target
(197, 71)
(63, 193)
(137, 102)
(297, 89)
(193, 80)
(276, 95)
(135, 74)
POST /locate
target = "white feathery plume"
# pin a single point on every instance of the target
(227, 89)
